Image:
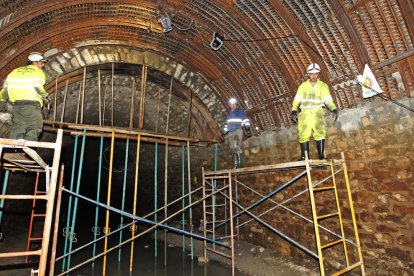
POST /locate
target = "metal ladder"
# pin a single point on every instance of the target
(34, 216)
(218, 186)
(18, 155)
(317, 218)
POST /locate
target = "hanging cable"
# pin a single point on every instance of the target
(340, 70)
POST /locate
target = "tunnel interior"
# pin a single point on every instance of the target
(141, 91)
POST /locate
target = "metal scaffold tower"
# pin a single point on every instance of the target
(322, 177)
(19, 155)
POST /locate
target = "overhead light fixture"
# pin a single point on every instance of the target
(165, 21)
(217, 41)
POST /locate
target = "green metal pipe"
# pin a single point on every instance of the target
(183, 190)
(72, 179)
(189, 197)
(3, 192)
(156, 198)
(75, 205)
(123, 195)
(98, 191)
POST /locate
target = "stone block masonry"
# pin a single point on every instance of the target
(378, 141)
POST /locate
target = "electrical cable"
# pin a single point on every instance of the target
(340, 70)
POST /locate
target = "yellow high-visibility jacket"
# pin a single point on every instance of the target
(316, 96)
(25, 83)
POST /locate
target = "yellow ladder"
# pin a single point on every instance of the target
(336, 213)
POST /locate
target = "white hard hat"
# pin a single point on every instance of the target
(35, 56)
(232, 101)
(313, 68)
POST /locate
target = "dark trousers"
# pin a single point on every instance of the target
(236, 141)
(27, 121)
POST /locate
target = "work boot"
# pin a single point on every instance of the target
(240, 160)
(235, 160)
(320, 145)
(304, 147)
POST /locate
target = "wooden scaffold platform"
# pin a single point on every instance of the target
(19, 155)
(225, 213)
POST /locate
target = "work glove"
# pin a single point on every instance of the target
(295, 116)
(5, 117)
(3, 107)
(335, 114)
(248, 132)
(47, 102)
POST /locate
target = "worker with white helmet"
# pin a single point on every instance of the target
(311, 97)
(24, 89)
(236, 120)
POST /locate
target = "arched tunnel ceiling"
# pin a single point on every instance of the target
(267, 44)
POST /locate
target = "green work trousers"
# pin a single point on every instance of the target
(27, 121)
(311, 123)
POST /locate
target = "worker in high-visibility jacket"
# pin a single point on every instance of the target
(24, 89)
(236, 120)
(311, 97)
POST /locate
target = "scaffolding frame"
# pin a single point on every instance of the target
(17, 155)
(211, 177)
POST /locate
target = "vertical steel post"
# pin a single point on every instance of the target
(56, 226)
(189, 197)
(72, 179)
(183, 190)
(142, 98)
(99, 97)
(134, 210)
(108, 201)
(112, 93)
(156, 199)
(62, 115)
(75, 205)
(83, 94)
(98, 191)
(123, 195)
(351, 206)
(3, 192)
(50, 203)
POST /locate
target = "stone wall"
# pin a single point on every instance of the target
(378, 144)
(377, 139)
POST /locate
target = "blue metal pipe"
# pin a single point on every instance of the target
(75, 205)
(156, 198)
(3, 192)
(289, 239)
(146, 221)
(183, 190)
(98, 191)
(72, 179)
(264, 198)
(123, 194)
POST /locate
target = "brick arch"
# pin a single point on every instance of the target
(68, 64)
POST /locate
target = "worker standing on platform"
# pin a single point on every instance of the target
(311, 97)
(24, 89)
(236, 120)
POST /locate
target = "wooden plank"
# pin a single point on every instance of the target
(119, 130)
(33, 154)
(12, 143)
(19, 254)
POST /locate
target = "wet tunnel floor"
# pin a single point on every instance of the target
(179, 263)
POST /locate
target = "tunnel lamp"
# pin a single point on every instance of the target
(217, 41)
(165, 22)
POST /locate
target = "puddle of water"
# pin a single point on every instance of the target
(179, 263)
